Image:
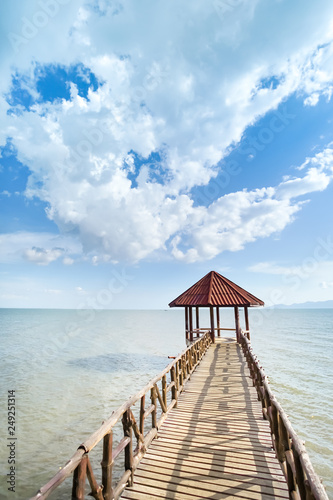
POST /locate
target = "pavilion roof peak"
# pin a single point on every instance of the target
(216, 290)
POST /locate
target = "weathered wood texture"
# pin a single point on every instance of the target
(215, 444)
(303, 482)
(216, 431)
(135, 441)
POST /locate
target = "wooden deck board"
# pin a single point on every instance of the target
(230, 466)
(215, 444)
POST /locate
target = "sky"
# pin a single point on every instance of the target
(144, 144)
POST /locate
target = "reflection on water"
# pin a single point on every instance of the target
(110, 363)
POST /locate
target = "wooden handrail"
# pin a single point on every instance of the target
(215, 329)
(303, 482)
(179, 370)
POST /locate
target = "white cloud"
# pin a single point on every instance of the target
(39, 248)
(242, 217)
(231, 222)
(314, 180)
(321, 161)
(188, 95)
(68, 261)
(42, 256)
(274, 268)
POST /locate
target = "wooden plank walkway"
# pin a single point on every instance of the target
(215, 444)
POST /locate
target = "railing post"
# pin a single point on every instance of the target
(96, 489)
(142, 414)
(300, 479)
(177, 376)
(107, 465)
(164, 391)
(174, 390)
(153, 402)
(276, 434)
(286, 450)
(181, 380)
(128, 432)
(79, 479)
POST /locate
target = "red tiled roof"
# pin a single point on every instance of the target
(216, 290)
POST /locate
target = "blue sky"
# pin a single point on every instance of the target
(144, 144)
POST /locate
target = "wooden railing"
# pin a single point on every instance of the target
(163, 395)
(201, 331)
(303, 482)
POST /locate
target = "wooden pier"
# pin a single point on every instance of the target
(212, 429)
(215, 444)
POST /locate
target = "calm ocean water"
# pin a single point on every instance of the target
(71, 369)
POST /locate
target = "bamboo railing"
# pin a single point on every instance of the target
(135, 440)
(303, 482)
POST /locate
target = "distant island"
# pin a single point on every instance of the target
(326, 304)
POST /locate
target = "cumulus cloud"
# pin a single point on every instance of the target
(42, 256)
(242, 217)
(116, 167)
(231, 222)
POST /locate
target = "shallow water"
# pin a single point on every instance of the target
(71, 369)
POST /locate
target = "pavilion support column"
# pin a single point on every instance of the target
(191, 323)
(212, 324)
(218, 321)
(247, 325)
(197, 319)
(186, 323)
(237, 324)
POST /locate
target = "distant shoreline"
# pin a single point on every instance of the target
(327, 304)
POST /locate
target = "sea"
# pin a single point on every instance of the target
(67, 370)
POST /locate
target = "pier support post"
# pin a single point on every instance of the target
(197, 318)
(237, 324)
(247, 325)
(212, 324)
(186, 323)
(191, 323)
(218, 321)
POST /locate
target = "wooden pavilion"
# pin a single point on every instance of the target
(214, 291)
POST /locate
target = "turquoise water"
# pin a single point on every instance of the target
(71, 369)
